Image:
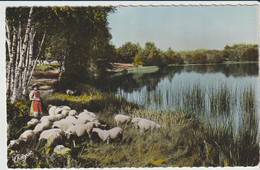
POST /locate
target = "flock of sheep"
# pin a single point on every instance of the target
(62, 122)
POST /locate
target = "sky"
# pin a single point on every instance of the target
(185, 27)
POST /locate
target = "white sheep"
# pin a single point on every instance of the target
(42, 126)
(80, 121)
(135, 121)
(32, 122)
(70, 92)
(65, 108)
(50, 118)
(120, 118)
(106, 135)
(27, 136)
(58, 148)
(51, 110)
(91, 114)
(55, 135)
(89, 128)
(63, 124)
(84, 116)
(71, 130)
(65, 112)
(81, 129)
(13, 144)
(44, 118)
(87, 117)
(59, 117)
(145, 124)
(73, 113)
(57, 110)
(71, 118)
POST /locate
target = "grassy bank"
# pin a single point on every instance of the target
(182, 140)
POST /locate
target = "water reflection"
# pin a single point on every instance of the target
(151, 77)
(217, 93)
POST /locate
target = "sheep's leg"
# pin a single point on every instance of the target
(89, 135)
(108, 141)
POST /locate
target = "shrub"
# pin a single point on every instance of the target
(138, 60)
(251, 54)
(17, 117)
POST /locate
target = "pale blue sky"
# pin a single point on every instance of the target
(185, 27)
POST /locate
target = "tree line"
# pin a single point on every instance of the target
(151, 55)
(77, 37)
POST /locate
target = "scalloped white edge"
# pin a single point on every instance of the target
(4, 4)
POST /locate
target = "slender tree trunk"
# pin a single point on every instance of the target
(16, 62)
(62, 66)
(11, 62)
(28, 63)
(8, 35)
(36, 60)
(22, 58)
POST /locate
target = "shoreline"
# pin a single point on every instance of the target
(129, 67)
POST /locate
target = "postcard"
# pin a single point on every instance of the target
(130, 84)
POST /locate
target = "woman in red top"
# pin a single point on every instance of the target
(36, 106)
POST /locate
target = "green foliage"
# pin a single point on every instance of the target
(84, 40)
(251, 54)
(127, 52)
(17, 117)
(199, 58)
(241, 52)
(138, 60)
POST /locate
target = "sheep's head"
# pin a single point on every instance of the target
(158, 126)
(135, 120)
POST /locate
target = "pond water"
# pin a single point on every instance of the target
(219, 94)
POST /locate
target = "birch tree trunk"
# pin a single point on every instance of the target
(62, 67)
(36, 60)
(28, 62)
(8, 35)
(11, 52)
(22, 57)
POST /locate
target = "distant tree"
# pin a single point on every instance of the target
(199, 58)
(251, 54)
(214, 56)
(170, 56)
(173, 58)
(148, 52)
(127, 52)
(87, 37)
(138, 60)
(189, 58)
(236, 52)
(139, 48)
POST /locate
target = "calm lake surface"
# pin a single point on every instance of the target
(191, 86)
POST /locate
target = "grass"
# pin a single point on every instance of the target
(46, 67)
(183, 140)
